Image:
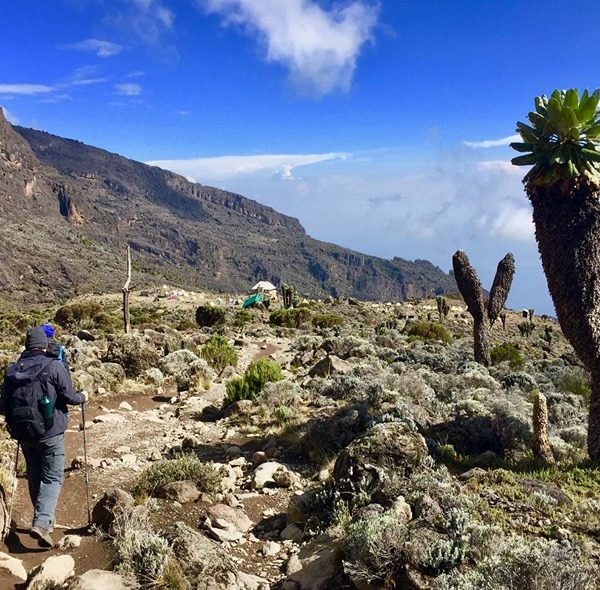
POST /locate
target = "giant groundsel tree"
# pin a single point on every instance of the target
(561, 144)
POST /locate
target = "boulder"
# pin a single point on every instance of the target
(204, 563)
(133, 353)
(183, 492)
(264, 473)
(237, 517)
(103, 580)
(53, 573)
(113, 502)
(329, 365)
(384, 454)
(13, 566)
(321, 567)
(190, 372)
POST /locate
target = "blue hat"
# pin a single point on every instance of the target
(48, 329)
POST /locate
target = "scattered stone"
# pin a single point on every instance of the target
(321, 567)
(69, 542)
(402, 509)
(103, 580)
(183, 492)
(125, 406)
(259, 458)
(263, 474)
(271, 548)
(13, 565)
(110, 419)
(324, 475)
(112, 502)
(329, 365)
(53, 573)
(292, 532)
(293, 565)
(85, 335)
(122, 450)
(235, 517)
(222, 535)
(155, 455)
(283, 478)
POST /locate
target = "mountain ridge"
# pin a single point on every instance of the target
(80, 205)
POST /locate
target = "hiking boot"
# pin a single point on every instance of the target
(42, 535)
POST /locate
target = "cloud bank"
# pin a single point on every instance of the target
(220, 168)
(25, 89)
(98, 46)
(318, 47)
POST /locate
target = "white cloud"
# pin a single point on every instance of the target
(220, 168)
(488, 143)
(128, 89)
(319, 47)
(100, 47)
(511, 222)
(500, 166)
(147, 19)
(25, 89)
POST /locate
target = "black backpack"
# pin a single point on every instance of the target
(24, 393)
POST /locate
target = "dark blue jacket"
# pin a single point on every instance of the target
(59, 384)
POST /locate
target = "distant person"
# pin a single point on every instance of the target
(55, 349)
(34, 399)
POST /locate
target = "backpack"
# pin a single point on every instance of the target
(57, 351)
(24, 394)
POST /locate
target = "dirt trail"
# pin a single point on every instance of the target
(145, 428)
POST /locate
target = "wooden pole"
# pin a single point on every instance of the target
(126, 322)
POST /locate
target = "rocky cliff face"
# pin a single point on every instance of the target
(69, 209)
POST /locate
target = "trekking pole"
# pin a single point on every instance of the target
(14, 486)
(85, 467)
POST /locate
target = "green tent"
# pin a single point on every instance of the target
(253, 299)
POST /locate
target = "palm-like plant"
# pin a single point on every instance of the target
(563, 186)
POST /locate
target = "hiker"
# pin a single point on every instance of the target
(34, 399)
(55, 349)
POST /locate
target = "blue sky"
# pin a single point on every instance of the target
(382, 125)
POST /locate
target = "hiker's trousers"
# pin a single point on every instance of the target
(45, 461)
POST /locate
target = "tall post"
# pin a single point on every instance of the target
(126, 322)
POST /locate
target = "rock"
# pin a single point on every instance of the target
(292, 532)
(263, 474)
(125, 406)
(251, 582)
(203, 561)
(329, 365)
(402, 509)
(103, 580)
(69, 542)
(293, 565)
(243, 407)
(324, 475)
(86, 336)
(13, 566)
(189, 371)
(222, 531)
(271, 548)
(300, 507)
(370, 463)
(129, 459)
(53, 573)
(259, 458)
(321, 565)
(110, 419)
(236, 517)
(132, 353)
(183, 492)
(112, 502)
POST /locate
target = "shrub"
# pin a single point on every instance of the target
(428, 331)
(242, 317)
(250, 385)
(289, 318)
(327, 320)
(575, 381)
(208, 316)
(77, 315)
(373, 548)
(507, 352)
(218, 353)
(183, 467)
(143, 554)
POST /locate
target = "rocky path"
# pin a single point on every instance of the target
(124, 435)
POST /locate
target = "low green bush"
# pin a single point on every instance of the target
(209, 316)
(257, 375)
(242, 317)
(218, 353)
(575, 381)
(290, 318)
(186, 466)
(507, 352)
(428, 331)
(77, 315)
(327, 320)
